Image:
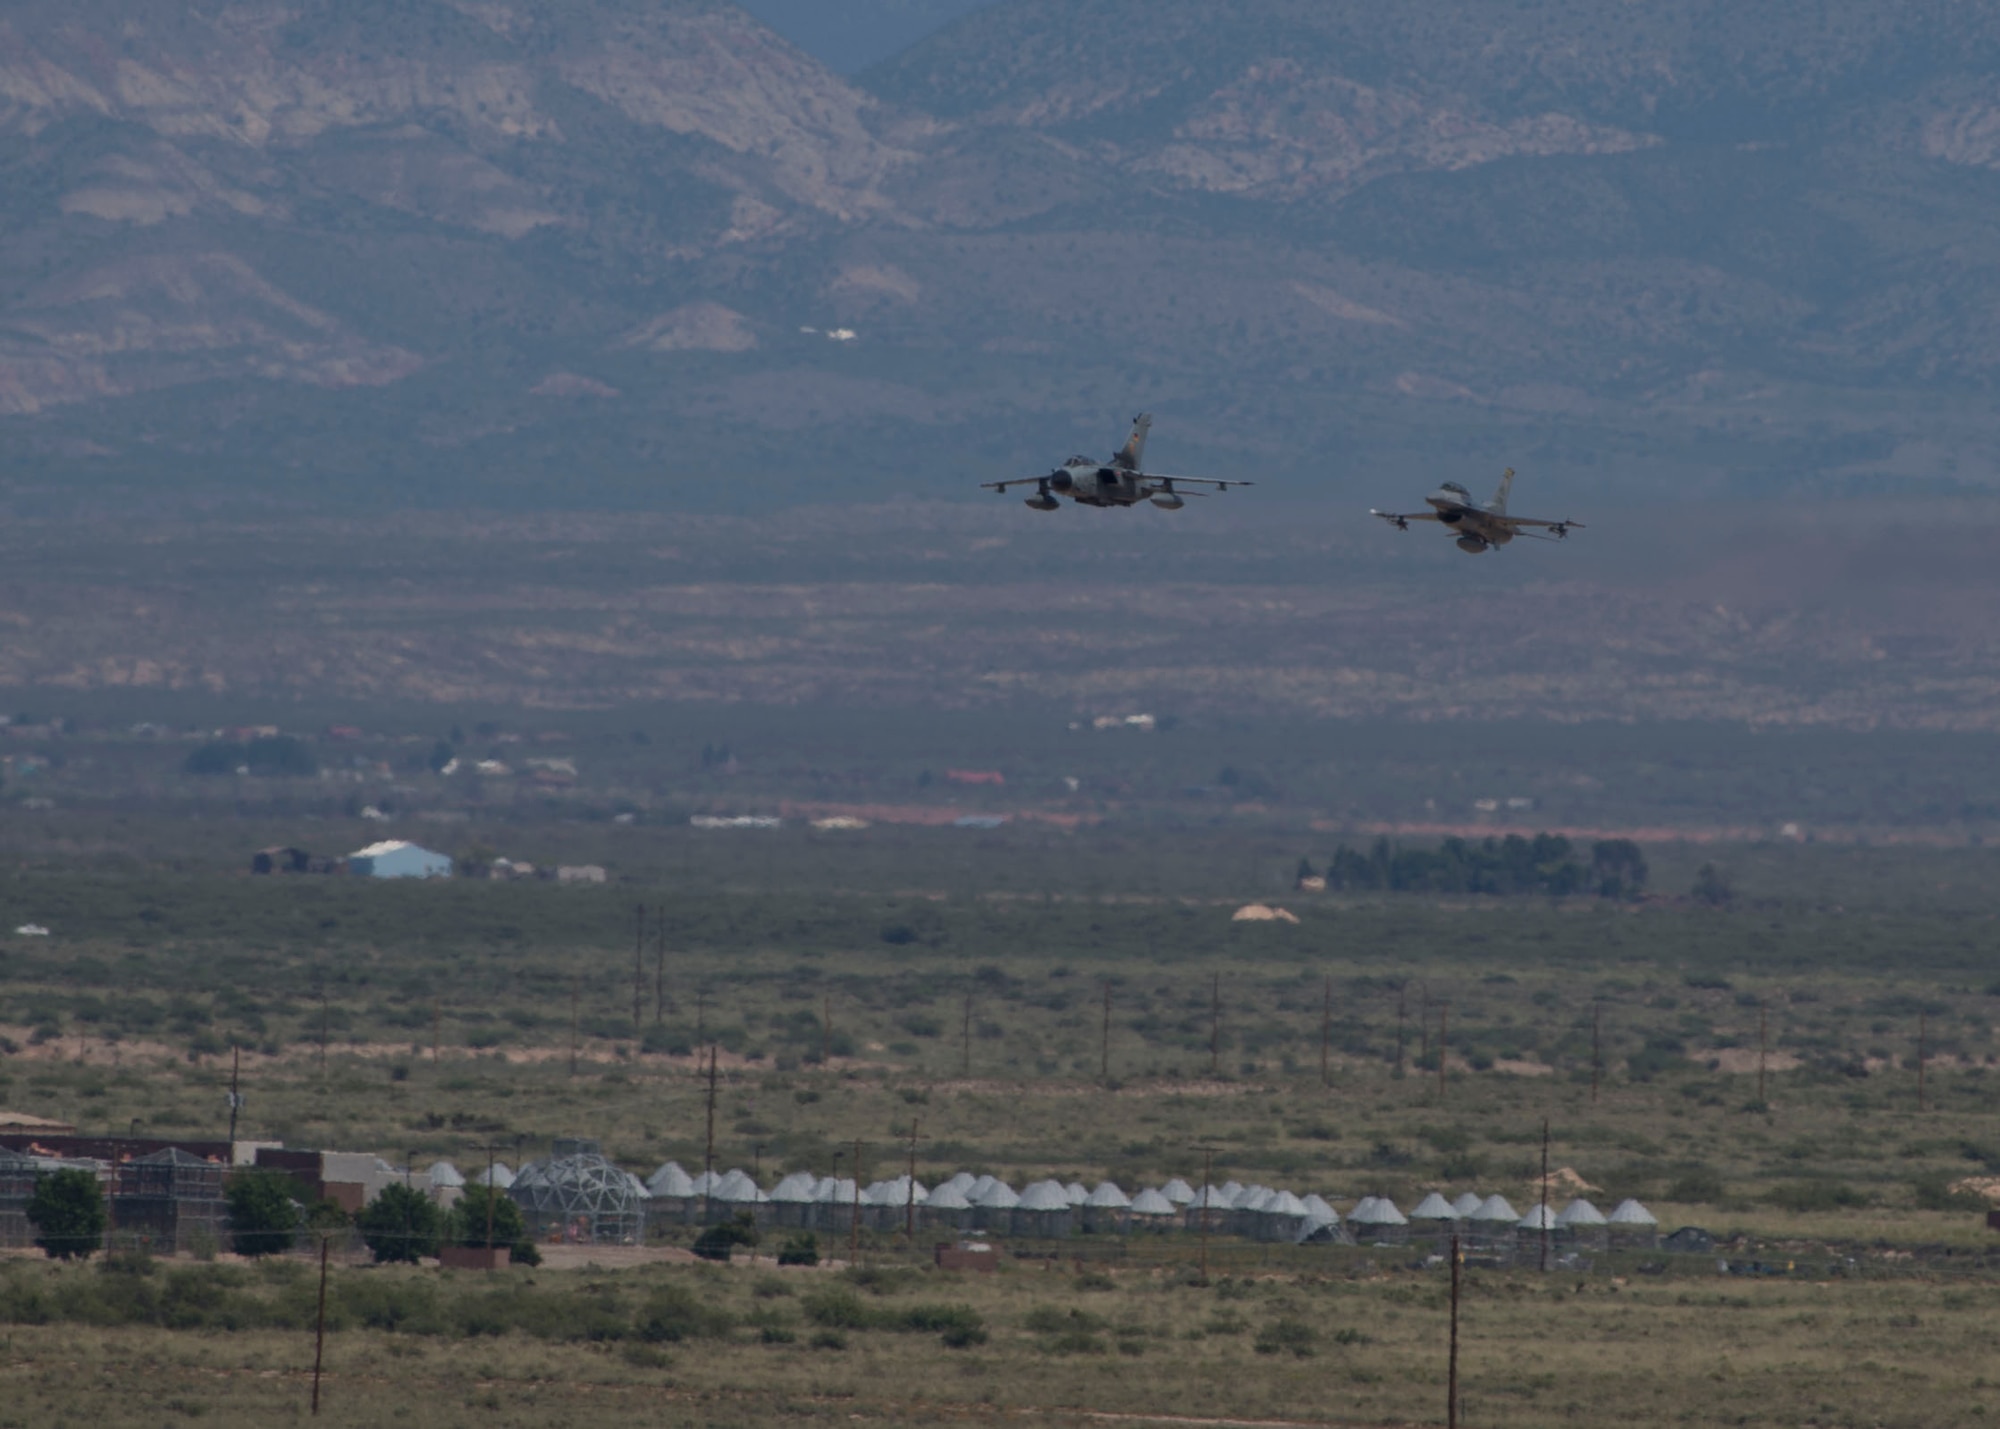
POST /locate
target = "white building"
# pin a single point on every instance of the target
(396, 858)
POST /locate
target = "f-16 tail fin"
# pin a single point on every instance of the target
(1499, 502)
(1134, 451)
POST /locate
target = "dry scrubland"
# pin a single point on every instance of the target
(130, 1011)
(1336, 1344)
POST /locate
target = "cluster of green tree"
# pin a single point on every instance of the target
(1545, 864)
(268, 755)
(404, 1225)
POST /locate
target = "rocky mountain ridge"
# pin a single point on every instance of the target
(365, 249)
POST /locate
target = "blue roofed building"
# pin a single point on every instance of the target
(395, 858)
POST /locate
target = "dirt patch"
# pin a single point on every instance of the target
(1523, 1069)
(1743, 1060)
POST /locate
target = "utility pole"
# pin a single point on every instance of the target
(1207, 1196)
(1763, 1050)
(235, 1096)
(1596, 1048)
(965, 1064)
(910, 1205)
(492, 1191)
(660, 965)
(1542, 1219)
(1923, 1051)
(1215, 1031)
(1326, 1034)
(1444, 1045)
(638, 968)
(1104, 1050)
(1423, 1022)
(854, 1212)
(1451, 1374)
(319, 1328)
(708, 1153)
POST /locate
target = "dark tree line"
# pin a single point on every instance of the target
(1546, 864)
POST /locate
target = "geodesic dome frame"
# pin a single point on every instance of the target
(582, 1198)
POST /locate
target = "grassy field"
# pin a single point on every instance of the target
(1339, 1340)
(860, 989)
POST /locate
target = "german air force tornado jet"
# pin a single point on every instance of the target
(1118, 482)
(1479, 526)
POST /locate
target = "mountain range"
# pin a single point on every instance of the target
(605, 252)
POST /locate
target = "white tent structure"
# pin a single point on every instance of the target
(1492, 1225)
(1076, 1193)
(946, 1207)
(1324, 1230)
(833, 1203)
(1151, 1210)
(446, 1184)
(502, 1174)
(1434, 1208)
(1376, 1221)
(1106, 1209)
(993, 1209)
(1178, 1191)
(1044, 1210)
(1632, 1225)
(1281, 1217)
(792, 1200)
(1318, 1209)
(1583, 1224)
(1466, 1204)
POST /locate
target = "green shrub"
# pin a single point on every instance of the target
(1285, 1336)
(720, 1239)
(67, 1212)
(1935, 1193)
(485, 1217)
(836, 1307)
(401, 1224)
(1807, 1196)
(801, 1249)
(263, 1217)
(675, 1313)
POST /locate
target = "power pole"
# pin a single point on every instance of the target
(1451, 1374)
(638, 968)
(1596, 1048)
(1326, 1034)
(1444, 1045)
(492, 1191)
(319, 1328)
(660, 965)
(237, 1101)
(1104, 1050)
(708, 1153)
(854, 1212)
(1423, 1022)
(1763, 1049)
(1923, 1050)
(910, 1205)
(1542, 1219)
(1215, 1030)
(1207, 1196)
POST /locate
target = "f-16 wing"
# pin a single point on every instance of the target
(1558, 529)
(1401, 519)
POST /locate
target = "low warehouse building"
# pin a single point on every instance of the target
(397, 858)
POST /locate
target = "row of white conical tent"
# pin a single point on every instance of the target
(1493, 1213)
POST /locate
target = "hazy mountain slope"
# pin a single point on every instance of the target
(590, 250)
(847, 35)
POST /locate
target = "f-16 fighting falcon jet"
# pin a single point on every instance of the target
(1480, 526)
(1118, 482)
